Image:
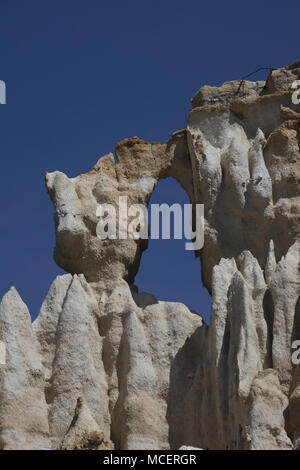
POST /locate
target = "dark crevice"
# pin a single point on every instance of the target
(268, 306)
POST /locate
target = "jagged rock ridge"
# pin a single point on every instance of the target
(104, 366)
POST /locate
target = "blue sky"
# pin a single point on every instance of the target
(82, 75)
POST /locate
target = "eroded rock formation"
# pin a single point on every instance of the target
(105, 366)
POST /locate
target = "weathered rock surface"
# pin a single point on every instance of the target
(105, 366)
(244, 150)
(84, 432)
(23, 408)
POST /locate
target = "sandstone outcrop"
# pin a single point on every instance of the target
(104, 366)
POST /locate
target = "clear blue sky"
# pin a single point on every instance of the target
(82, 75)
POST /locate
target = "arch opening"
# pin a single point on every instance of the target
(167, 270)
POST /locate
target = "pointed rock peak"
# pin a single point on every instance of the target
(23, 409)
(250, 269)
(225, 265)
(271, 263)
(75, 282)
(293, 253)
(53, 302)
(260, 137)
(228, 263)
(246, 257)
(13, 305)
(45, 325)
(84, 284)
(222, 276)
(81, 291)
(76, 299)
(11, 293)
(84, 432)
(291, 261)
(258, 142)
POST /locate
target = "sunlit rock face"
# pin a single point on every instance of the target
(139, 168)
(104, 366)
(243, 143)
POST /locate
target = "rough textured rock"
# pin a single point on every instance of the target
(140, 166)
(104, 365)
(244, 150)
(77, 368)
(267, 404)
(23, 409)
(84, 432)
(238, 377)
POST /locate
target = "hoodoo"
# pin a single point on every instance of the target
(104, 366)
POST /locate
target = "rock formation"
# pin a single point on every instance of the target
(104, 366)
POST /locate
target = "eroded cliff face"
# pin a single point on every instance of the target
(105, 366)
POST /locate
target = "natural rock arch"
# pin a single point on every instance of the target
(183, 275)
